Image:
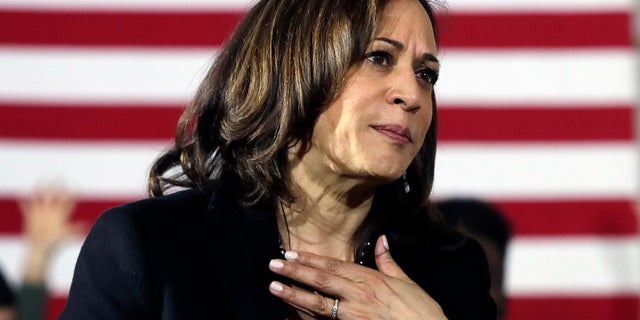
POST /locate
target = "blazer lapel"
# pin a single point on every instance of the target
(244, 241)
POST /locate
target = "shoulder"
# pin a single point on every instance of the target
(127, 253)
(139, 232)
(173, 209)
(150, 226)
(192, 199)
(130, 227)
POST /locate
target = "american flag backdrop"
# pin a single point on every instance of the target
(537, 105)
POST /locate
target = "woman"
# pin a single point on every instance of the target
(308, 156)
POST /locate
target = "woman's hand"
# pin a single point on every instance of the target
(364, 293)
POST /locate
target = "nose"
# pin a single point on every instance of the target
(405, 91)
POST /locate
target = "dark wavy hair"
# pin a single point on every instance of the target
(285, 62)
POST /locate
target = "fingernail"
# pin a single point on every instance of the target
(276, 286)
(385, 243)
(276, 264)
(291, 255)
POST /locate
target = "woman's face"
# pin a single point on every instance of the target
(378, 123)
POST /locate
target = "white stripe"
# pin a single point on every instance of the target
(536, 171)
(104, 75)
(59, 273)
(111, 170)
(477, 77)
(90, 169)
(573, 266)
(470, 77)
(454, 5)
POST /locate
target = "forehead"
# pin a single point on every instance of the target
(406, 18)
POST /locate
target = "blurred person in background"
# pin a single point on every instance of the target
(486, 224)
(46, 216)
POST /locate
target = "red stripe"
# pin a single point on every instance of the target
(55, 305)
(86, 211)
(119, 28)
(211, 28)
(544, 124)
(565, 218)
(536, 30)
(573, 308)
(457, 123)
(88, 122)
(519, 308)
(528, 218)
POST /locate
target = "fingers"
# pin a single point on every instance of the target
(318, 279)
(364, 293)
(385, 262)
(46, 217)
(333, 266)
(328, 278)
(337, 277)
(49, 199)
(308, 302)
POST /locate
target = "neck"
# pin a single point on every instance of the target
(326, 212)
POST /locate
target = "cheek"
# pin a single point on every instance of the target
(329, 130)
(343, 118)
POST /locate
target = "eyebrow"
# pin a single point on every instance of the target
(400, 46)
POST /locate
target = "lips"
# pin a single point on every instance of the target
(396, 133)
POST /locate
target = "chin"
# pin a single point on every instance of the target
(390, 170)
(387, 175)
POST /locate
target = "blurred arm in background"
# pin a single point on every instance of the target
(46, 216)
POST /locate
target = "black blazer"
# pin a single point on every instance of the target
(201, 254)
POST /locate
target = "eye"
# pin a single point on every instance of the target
(428, 75)
(380, 58)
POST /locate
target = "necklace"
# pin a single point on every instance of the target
(361, 256)
(286, 225)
